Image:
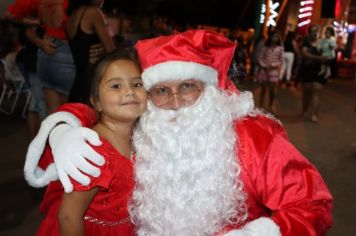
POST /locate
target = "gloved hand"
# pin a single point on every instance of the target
(239, 232)
(262, 226)
(71, 154)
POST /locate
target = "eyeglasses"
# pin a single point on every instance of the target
(189, 91)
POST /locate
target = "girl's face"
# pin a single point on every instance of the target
(121, 95)
(328, 33)
(313, 32)
(275, 38)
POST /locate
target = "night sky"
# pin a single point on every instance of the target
(221, 13)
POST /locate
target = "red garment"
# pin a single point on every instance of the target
(107, 213)
(279, 181)
(22, 8)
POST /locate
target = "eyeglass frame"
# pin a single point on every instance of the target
(197, 83)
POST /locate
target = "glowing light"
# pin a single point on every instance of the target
(300, 24)
(301, 10)
(273, 13)
(304, 15)
(305, 12)
(303, 3)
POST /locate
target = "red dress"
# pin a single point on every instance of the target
(107, 213)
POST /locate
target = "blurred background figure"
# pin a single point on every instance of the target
(55, 65)
(270, 62)
(237, 71)
(257, 50)
(290, 48)
(309, 73)
(327, 46)
(14, 44)
(87, 30)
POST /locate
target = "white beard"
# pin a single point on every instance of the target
(187, 176)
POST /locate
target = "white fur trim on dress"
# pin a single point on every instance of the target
(34, 175)
(263, 226)
(176, 70)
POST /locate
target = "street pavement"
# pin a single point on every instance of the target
(330, 145)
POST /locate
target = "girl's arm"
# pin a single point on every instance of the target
(308, 55)
(72, 210)
(296, 48)
(261, 58)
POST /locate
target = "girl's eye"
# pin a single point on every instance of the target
(115, 86)
(138, 85)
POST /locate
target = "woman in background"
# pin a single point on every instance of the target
(313, 84)
(86, 28)
(55, 65)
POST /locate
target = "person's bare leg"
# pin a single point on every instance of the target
(33, 122)
(263, 93)
(317, 89)
(272, 96)
(306, 99)
(53, 99)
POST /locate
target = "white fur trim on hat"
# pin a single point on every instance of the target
(176, 70)
(35, 176)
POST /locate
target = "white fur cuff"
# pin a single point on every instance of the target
(263, 226)
(34, 175)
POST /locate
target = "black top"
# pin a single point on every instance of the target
(80, 45)
(288, 46)
(311, 67)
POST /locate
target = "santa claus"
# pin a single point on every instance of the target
(207, 162)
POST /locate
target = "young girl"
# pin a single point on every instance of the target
(327, 46)
(270, 63)
(119, 98)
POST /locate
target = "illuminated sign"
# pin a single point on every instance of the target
(305, 12)
(272, 13)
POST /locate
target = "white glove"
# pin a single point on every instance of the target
(239, 232)
(262, 226)
(71, 154)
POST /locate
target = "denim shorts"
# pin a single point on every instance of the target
(57, 71)
(37, 102)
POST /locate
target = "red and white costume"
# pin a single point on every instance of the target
(285, 193)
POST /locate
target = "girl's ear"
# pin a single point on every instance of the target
(95, 104)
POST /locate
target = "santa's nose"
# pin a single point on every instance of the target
(176, 102)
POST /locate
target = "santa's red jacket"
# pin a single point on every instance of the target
(285, 193)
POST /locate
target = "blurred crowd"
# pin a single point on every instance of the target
(53, 46)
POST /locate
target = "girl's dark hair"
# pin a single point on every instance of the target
(102, 65)
(331, 29)
(269, 40)
(312, 26)
(73, 5)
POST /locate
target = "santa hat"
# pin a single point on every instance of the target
(194, 54)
